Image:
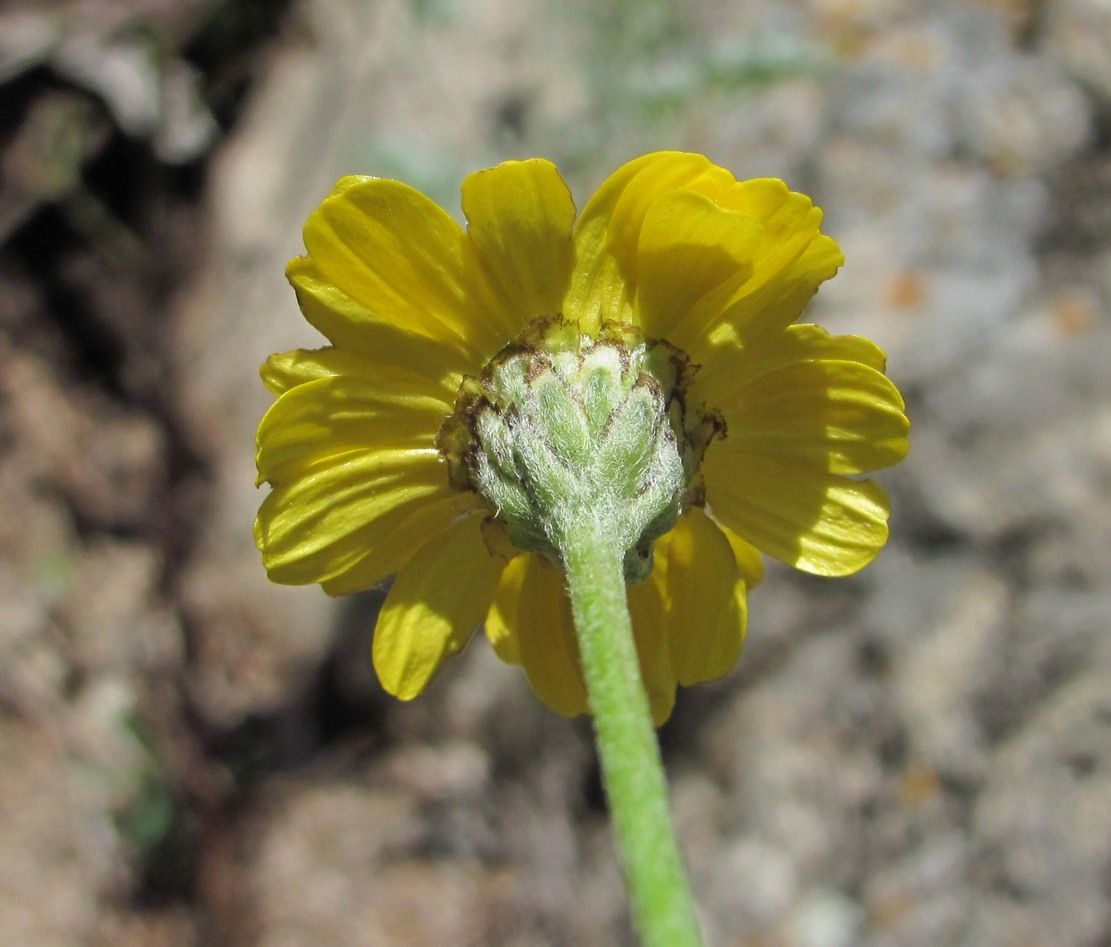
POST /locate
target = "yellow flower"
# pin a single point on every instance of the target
(416, 308)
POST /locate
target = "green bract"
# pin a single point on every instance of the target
(562, 425)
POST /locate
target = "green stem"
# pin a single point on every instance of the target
(632, 770)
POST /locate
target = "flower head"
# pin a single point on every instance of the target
(420, 444)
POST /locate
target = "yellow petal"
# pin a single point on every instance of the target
(285, 370)
(501, 620)
(519, 216)
(766, 199)
(790, 260)
(789, 221)
(816, 521)
(750, 561)
(321, 523)
(783, 213)
(704, 596)
(443, 360)
(349, 180)
(402, 257)
(841, 417)
(777, 294)
(397, 537)
(650, 630)
(689, 248)
(607, 235)
(530, 624)
(434, 607)
(730, 367)
(539, 613)
(341, 413)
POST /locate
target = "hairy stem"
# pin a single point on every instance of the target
(632, 770)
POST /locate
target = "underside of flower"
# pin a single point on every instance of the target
(561, 426)
(500, 399)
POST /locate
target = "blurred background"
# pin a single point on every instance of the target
(920, 755)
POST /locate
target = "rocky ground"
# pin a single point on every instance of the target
(920, 755)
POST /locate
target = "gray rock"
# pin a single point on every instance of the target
(1044, 819)
(1078, 34)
